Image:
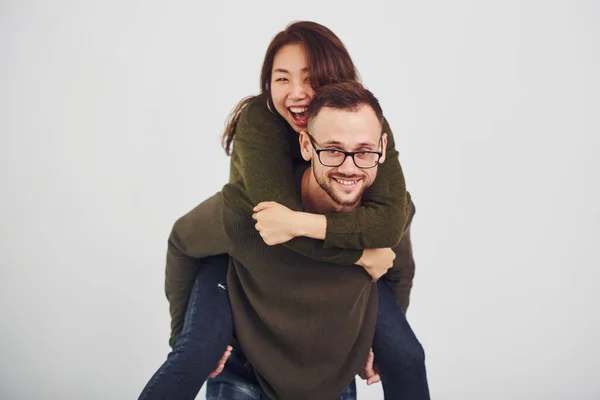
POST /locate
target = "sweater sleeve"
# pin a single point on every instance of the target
(198, 234)
(368, 226)
(262, 161)
(400, 277)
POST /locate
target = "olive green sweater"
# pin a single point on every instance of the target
(306, 326)
(265, 152)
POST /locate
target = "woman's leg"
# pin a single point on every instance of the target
(207, 331)
(399, 357)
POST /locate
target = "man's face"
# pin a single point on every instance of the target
(347, 131)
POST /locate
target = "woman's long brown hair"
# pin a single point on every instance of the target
(328, 59)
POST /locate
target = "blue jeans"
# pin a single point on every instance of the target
(208, 330)
(238, 382)
(399, 357)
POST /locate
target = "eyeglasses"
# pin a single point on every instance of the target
(335, 157)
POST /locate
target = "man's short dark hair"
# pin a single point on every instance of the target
(349, 96)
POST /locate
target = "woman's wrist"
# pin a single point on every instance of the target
(310, 225)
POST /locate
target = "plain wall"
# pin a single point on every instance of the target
(110, 116)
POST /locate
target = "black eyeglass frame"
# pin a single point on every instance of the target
(346, 154)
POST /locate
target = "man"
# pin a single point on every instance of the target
(307, 326)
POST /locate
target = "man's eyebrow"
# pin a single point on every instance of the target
(338, 143)
(367, 144)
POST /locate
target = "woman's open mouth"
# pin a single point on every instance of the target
(299, 115)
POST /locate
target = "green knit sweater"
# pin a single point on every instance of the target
(265, 152)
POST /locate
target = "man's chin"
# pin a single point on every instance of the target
(347, 199)
(343, 195)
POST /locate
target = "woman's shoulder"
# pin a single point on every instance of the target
(256, 115)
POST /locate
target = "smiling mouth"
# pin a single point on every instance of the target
(299, 115)
(346, 182)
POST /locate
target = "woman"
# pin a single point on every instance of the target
(263, 157)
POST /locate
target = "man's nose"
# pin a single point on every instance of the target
(348, 167)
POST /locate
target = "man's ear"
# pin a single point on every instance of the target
(305, 146)
(383, 147)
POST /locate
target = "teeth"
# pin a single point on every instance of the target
(345, 182)
(298, 110)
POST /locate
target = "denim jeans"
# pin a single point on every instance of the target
(238, 382)
(399, 357)
(208, 330)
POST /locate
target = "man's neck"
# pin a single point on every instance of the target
(315, 199)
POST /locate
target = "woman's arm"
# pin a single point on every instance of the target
(262, 170)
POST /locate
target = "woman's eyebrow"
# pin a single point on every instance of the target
(285, 71)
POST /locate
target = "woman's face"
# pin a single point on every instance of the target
(290, 85)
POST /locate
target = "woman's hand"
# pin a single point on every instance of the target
(276, 223)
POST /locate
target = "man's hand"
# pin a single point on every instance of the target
(369, 372)
(221, 363)
(274, 222)
(377, 261)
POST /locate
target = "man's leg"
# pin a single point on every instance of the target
(399, 356)
(238, 382)
(207, 331)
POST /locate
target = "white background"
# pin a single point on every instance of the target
(110, 118)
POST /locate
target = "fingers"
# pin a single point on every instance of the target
(226, 355)
(374, 379)
(217, 371)
(262, 206)
(368, 371)
(371, 373)
(370, 359)
(221, 363)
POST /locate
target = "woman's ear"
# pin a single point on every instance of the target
(305, 146)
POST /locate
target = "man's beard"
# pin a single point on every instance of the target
(326, 185)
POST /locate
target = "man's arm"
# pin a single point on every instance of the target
(400, 277)
(198, 234)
